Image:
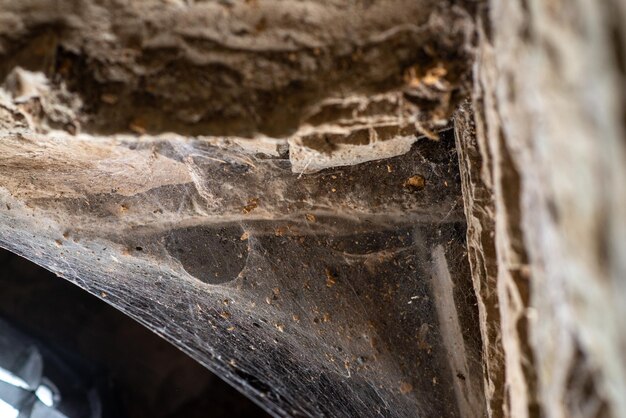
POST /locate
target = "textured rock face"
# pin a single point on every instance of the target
(481, 247)
(138, 138)
(549, 150)
(241, 67)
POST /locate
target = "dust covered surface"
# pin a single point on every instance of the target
(340, 293)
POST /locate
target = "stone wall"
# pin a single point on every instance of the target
(548, 102)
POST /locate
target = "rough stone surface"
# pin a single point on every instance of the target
(213, 121)
(237, 67)
(341, 81)
(549, 122)
(479, 210)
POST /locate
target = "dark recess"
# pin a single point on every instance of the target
(144, 375)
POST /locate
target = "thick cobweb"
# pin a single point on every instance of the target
(339, 293)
